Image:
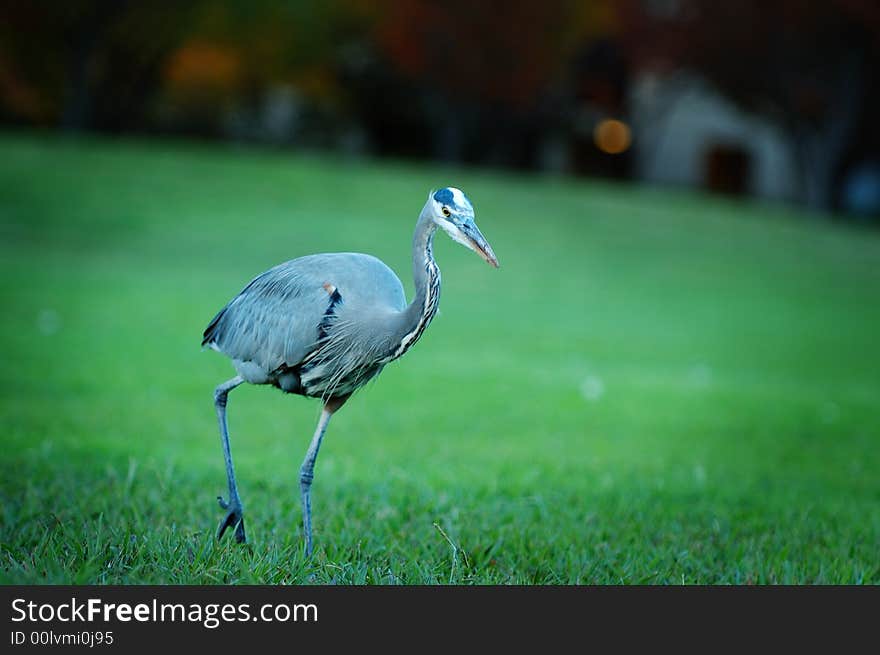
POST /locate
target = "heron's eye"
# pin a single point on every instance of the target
(446, 212)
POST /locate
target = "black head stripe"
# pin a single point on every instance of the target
(444, 197)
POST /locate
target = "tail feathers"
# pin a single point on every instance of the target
(211, 331)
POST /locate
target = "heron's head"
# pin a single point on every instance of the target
(452, 211)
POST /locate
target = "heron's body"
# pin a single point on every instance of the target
(323, 325)
(275, 329)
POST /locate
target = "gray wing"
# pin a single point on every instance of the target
(276, 319)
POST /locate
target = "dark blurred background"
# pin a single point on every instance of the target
(776, 99)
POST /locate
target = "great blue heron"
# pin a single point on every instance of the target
(323, 325)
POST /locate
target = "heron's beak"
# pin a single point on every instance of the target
(475, 240)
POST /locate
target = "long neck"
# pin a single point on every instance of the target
(426, 277)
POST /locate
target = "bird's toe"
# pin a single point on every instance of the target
(240, 536)
(234, 519)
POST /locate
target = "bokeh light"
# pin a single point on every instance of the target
(612, 136)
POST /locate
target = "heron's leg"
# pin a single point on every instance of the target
(307, 470)
(234, 518)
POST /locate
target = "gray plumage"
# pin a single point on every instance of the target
(323, 325)
(285, 328)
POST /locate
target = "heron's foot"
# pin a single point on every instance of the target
(234, 518)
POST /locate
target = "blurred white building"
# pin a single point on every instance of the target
(686, 133)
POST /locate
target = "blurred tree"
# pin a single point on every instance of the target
(107, 64)
(481, 71)
(807, 64)
(249, 60)
(84, 63)
(484, 82)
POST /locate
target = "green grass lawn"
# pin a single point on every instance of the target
(655, 387)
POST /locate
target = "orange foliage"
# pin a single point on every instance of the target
(203, 65)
